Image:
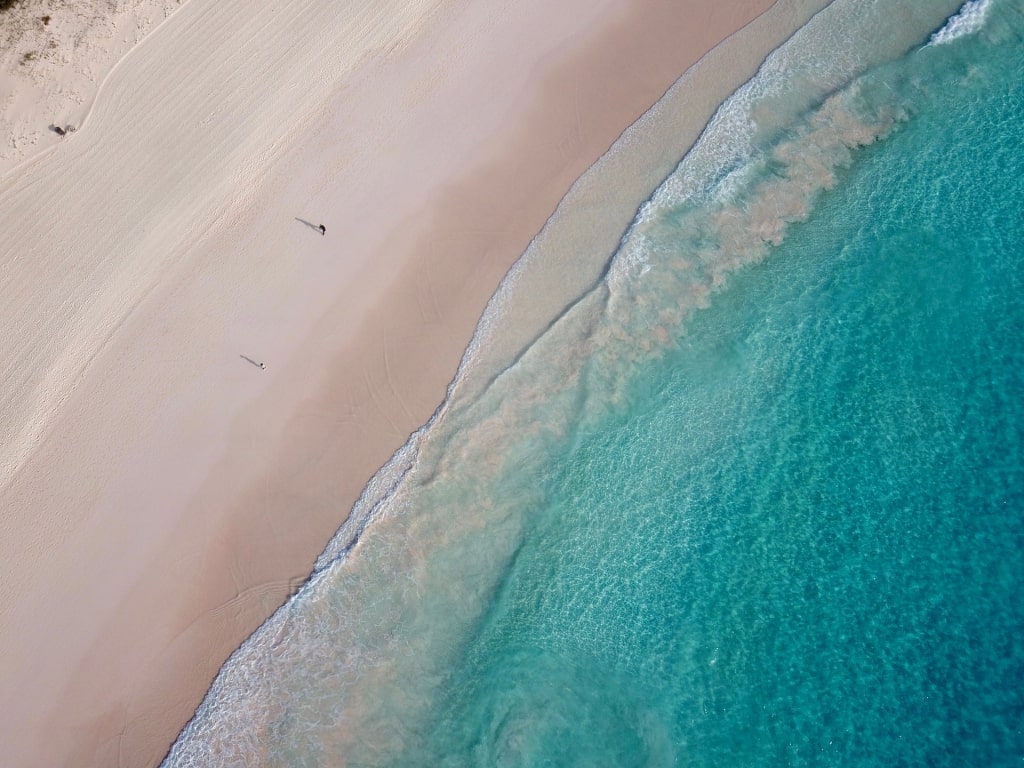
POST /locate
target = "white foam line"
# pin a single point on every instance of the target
(968, 20)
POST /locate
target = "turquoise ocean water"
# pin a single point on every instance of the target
(756, 499)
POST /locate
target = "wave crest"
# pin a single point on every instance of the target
(968, 20)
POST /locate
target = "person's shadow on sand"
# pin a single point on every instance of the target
(315, 227)
(261, 366)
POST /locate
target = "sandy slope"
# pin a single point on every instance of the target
(54, 55)
(160, 494)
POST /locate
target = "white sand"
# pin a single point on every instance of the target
(53, 57)
(159, 494)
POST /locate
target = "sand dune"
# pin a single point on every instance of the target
(53, 57)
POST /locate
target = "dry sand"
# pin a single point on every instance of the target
(159, 494)
(53, 56)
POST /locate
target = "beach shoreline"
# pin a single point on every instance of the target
(244, 480)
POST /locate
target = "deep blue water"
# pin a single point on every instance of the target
(757, 500)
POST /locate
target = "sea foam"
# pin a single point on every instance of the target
(968, 20)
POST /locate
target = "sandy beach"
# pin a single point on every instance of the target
(197, 383)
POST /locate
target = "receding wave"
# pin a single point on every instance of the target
(350, 665)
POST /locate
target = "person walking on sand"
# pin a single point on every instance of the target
(323, 230)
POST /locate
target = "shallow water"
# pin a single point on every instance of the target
(756, 499)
